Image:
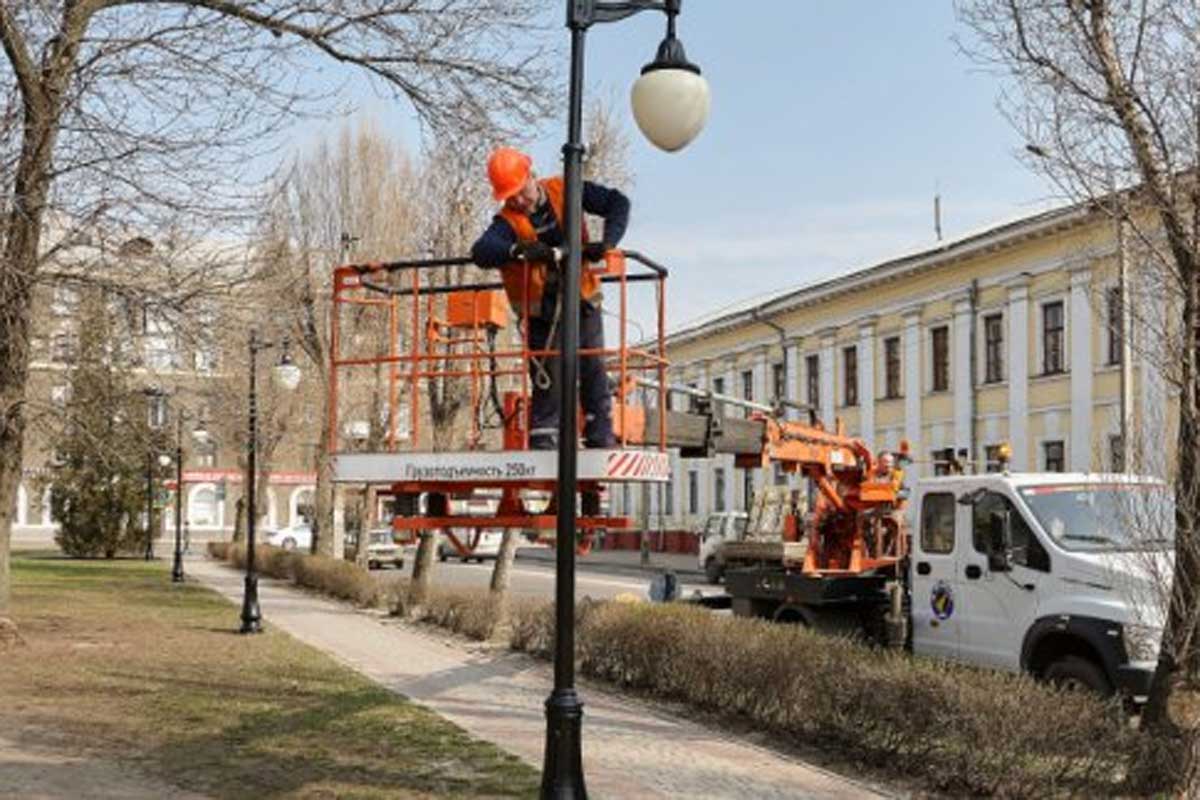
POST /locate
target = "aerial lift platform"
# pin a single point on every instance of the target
(453, 332)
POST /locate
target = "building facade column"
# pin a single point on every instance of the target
(866, 382)
(828, 370)
(1018, 371)
(912, 385)
(964, 383)
(725, 461)
(1080, 327)
(792, 368)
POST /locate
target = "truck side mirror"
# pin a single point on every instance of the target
(999, 542)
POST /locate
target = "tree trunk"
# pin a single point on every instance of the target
(422, 570)
(501, 574)
(1179, 634)
(366, 522)
(239, 519)
(17, 271)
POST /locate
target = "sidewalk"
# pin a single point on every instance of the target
(683, 564)
(630, 750)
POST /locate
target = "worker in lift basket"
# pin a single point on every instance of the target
(526, 236)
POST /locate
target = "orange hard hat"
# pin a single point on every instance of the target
(508, 169)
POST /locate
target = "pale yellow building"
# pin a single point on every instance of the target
(1010, 335)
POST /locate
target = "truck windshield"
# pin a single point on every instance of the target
(1109, 516)
(739, 526)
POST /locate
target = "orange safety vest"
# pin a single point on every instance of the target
(513, 273)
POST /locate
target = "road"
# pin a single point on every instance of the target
(535, 577)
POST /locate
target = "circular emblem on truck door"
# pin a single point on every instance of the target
(941, 600)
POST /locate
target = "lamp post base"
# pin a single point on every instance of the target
(562, 770)
(251, 616)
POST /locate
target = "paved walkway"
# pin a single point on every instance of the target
(630, 751)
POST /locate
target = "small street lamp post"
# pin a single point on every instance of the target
(670, 105)
(286, 376)
(200, 434)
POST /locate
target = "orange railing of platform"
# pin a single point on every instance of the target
(452, 334)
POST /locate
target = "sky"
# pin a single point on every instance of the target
(833, 125)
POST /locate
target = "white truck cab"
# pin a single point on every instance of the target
(1042, 573)
(719, 527)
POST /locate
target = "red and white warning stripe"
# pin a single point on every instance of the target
(636, 464)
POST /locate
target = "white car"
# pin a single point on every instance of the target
(291, 537)
(487, 545)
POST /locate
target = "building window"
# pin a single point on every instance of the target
(993, 348)
(719, 388)
(747, 488)
(747, 387)
(1054, 456)
(64, 302)
(850, 376)
(812, 374)
(891, 355)
(991, 455)
(943, 461)
(206, 454)
(1116, 453)
(777, 382)
(941, 358)
(1116, 324)
(203, 510)
(669, 499)
(156, 411)
(693, 492)
(719, 489)
(780, 477)
(63, 347)
(1052, 338)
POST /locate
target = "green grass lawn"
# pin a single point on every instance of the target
(121, 662)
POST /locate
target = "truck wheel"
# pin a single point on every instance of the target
(1074, 672)
(713, 570)
(372, 564)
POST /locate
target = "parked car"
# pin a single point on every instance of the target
(382, 548)
(487, 545)
(720, 527)
(291, 537)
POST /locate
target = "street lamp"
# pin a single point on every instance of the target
(286, 376)
(670, 104)
(200, 434)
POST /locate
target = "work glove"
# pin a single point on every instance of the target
(534, 251)
(594, 251)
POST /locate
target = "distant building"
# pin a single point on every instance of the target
(888, 350)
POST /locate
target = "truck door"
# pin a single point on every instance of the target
(999, 607)
(934, 576)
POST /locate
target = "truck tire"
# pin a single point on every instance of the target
(713, 570)
(1074, 672)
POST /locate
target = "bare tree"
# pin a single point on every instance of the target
(140, 115)
(1108, 96)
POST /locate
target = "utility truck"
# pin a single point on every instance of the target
(1037, 572)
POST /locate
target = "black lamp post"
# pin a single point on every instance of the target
(200, 434)
(287, 376)
(670, 105)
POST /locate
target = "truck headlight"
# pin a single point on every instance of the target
(1141, 641)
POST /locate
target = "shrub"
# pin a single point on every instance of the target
(961, 729)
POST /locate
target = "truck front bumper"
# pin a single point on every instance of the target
(1134, 679)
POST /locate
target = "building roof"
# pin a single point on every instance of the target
(990, 239)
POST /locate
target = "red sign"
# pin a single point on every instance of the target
(235, 476)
